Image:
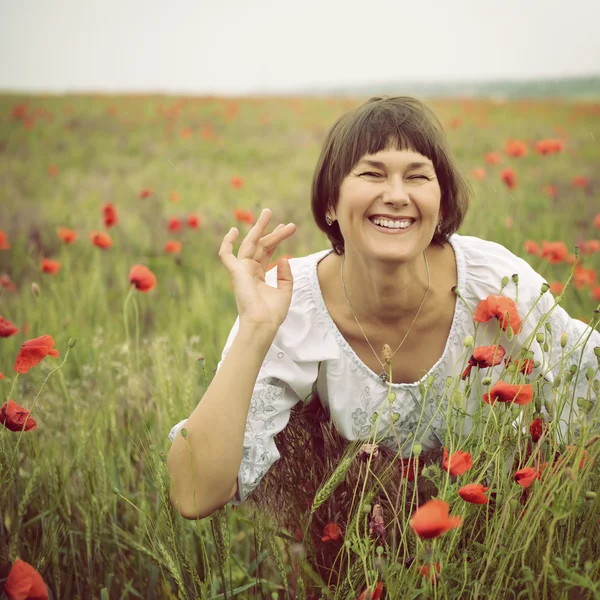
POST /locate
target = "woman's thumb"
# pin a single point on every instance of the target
(284, 275)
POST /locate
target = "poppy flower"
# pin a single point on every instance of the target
(536, 429)
(145, 193)
(14, 417)
(596, 293)
(551, 190)
(243, 216)
(509, 177)
(583, 277)
(431, 520)
(332, 532)
(458, 463)
(485, 356)
(557, 288)
(174, 197)
(474, 493)
(174, 224)
(516, 148)
(109, 212)
(532, 248)
(372, 595)
(580, 182)
(193, 221)
(33, 351)
(236, 182)
(101, 239)
(50, 266)
(555, 252)
(410, 468)
(478, 173)
(503, 392)
(426, 571)
(596, 225)
(53, 170)
(7, 328)
(66, 235)
(142, 277)
(25, 583)
(492, 158)
(549, 146)
(590, 246)
(524, 365)
(4, 245)
(5, 282)
(526, 476)
(502, 308)
(1, 376)
(173, 247)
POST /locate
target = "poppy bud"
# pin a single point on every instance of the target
(430, 380)
(511, 368)
(573, 369)
(549, 407)
(422, 389)
(366, 509)
(597, 351)
(469, 341)
(515, 278)
(504, 281)
(417, 449)
(536, 364)
(596, 385)
(374, 417)
(538, 403)
(71, 343)
(563, 340)
(510, 334)
(576, 251)
(548, 326)
(584, 404)
(540, 337)
(395, 417)
(379, 550)
(391, 396)
(163, 457)
(568, 377)
(557, 381)
(545, 288)
(152, 448)
(115, 491)
(486, 381)
(35, 290)
(589, 374)
(546, 347)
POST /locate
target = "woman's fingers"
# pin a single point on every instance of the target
(249, 243)
(226, 249)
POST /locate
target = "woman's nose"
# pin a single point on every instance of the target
(396, 191)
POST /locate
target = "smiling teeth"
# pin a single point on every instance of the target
(393, 224)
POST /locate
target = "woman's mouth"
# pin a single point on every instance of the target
(392, 227)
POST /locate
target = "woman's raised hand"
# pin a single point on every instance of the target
(258, 303)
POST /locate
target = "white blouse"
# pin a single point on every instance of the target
(309, 349)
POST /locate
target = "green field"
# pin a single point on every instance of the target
(84, 495)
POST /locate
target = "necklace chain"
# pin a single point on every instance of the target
(384, 375)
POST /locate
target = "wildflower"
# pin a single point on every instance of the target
(236, 182)
(410, 468)
(526, 476)
(173, 247)
(474, 493)
(509, 177)
(174, 224)
(549, 146)
(596, 293)
(503, 392)
(484, 356)
(142, 277)
(500, 307)
(557, 288)
(524, 365)
(4, 245)
(376, 524)
(372, 595)
(551, 190)
(101, 239)
(243, 216)
(50, 266)
(492, 158)
(7, 328)
(478, 173)
(426, 571)
(516, 148)
(25, 582)
(367, 450)
(33, 351)
(174, 197)
(13, 417)
(583, 277)
(431, 520)
(332, 533)
(145, 193)
(193, 221)
(109, 213)
(458, 463)
(596, 225)
(580, 182)
(532, 248)
(66, 235)
(53, 170)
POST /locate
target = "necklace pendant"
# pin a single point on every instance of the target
(384, 376)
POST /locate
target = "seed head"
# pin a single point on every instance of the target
(387, 354)
(35, 290)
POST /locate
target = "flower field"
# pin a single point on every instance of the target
(115, 307)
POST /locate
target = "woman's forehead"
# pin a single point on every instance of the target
(394, 156)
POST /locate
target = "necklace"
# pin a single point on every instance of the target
(384, 376)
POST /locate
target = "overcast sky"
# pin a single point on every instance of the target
(244, 46)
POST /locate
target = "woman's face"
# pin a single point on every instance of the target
(399, 185)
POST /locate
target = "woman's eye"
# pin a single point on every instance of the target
(420, 177)
(370, 173)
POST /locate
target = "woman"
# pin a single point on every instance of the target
(390, 198)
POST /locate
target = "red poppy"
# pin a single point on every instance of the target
(509, 177)
(556, 288)
(596, 224)
(458, 463)
(14, 417)
(142, 277)
(193, 221)
(549, 146)
(332, 532)
(243, 216)
(145, 193)
(66, 235)
(109, 213)
(492, 158)
(583, 277)
(174, 224)
(53, 170)
(555, 252)
(25, 583)
(478, 173)
(484, 356)
(516, 148)
(5, 282)
(237, 182)
(524, 365)
(431, 520)
(502, 308)
(503, 392)
(372, 595)
(173, 247)
(101, 239)
(474, 493)
(532, 248)
(426, 571)
(590, 246)
(596, 293)
(526, 476)
(581, 182)
(50, 266)
(536, 429)
(551, 190)
(174, 197)
(411, 467)
(1, 376)
(33, 351)
(7, 328)
(4, 245)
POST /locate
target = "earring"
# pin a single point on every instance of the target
(328, 220)
(439, 228)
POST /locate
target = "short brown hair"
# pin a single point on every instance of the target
(368, 129)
